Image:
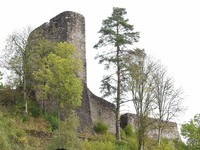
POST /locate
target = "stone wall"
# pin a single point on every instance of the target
(84, 113)
(102, 110)
(170, 131)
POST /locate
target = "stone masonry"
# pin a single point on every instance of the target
(70, 26)
(170, 131)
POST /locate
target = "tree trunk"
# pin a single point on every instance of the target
(118, 98)
(24, 82)
(159, 135)
(141, 132)
(25, 95)
(140, 140)
(118, 124)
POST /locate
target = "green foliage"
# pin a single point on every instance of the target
(19, 106)
(122, 145)
(107, 145)
(56, 73)
(96, 145)
(4, 142)
(54, 121)
(34, 108)
(103, 141)
(12, 137)
(25, 117)
(116, 30)
(130, 140)
(179, 145)
(191, 131)
(66, 136)
(107, 137)
(166, 144)
(100, 127)
(129, 130)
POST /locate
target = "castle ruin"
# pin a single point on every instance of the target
(70, 26)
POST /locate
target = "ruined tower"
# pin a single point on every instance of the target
(69, 27)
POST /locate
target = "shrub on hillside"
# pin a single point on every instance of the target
(66, 137)
(34, 108)
(100, 127)
(97, 145)
(53, 120)
(129, 130)
(12, 137)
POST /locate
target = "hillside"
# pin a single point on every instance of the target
(20, 131)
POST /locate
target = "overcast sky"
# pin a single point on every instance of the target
(169, 31)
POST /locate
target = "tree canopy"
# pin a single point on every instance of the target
(191, 132)
(56, 75)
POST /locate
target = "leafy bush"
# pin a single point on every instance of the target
(54, 121)
(11, 136)
(25, 117)
(105, 145)
(34, 108)
(97, 145)
(67, 136)
(122, 145)
(129, 130)
(180, 145)
(4, 143)
(100, 127)
(104, 137)
(166, 144)
(108, 142)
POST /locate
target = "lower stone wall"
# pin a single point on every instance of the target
(170, 131)
(102, 110)
(84, 113)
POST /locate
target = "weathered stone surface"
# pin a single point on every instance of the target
(84, 113)
(170, 131)
(102, 110)
(65, 27)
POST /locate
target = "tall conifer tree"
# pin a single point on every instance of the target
(116, 35)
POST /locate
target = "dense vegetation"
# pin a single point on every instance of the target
(28, 132)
